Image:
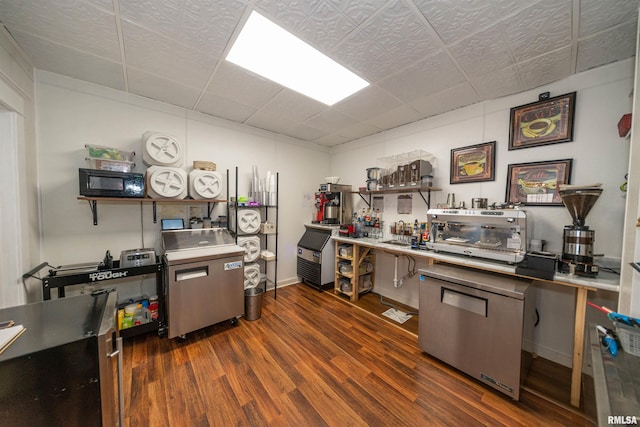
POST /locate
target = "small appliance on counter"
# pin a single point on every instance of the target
(578, 239)
(106, 183)
(498, 234)
(137, 257)
(538, 264)
(333, 204)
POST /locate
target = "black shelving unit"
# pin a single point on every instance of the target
(268, 240)
(57, 281)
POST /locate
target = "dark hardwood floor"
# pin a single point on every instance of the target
(312, 359)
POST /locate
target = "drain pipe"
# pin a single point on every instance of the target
(395, 271)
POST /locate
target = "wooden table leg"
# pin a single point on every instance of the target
(578, 345)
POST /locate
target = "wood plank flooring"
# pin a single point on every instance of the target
(545, 378)
(311, 360)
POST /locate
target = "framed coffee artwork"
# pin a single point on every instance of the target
(537, 183)
(474, 163)
(549, 121)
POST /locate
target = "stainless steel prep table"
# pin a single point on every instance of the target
(582, 286)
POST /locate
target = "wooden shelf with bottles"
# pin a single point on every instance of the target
(93, 203)
(361, 276)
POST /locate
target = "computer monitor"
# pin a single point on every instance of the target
(172, 224)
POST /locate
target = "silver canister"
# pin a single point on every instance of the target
(479, 203)
(451, 200)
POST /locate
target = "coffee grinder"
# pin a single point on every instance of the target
(578, 239)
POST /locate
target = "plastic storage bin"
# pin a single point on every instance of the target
(166, 182)
(248, 221)
(161, 149)
(109, 153)
(629, 338)
(251, 245)
(251, 275)
(204, 184)
(110, 165)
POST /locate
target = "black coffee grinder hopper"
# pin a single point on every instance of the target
(578, 239)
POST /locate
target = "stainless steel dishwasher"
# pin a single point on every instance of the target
(480, 323)
(204, 279)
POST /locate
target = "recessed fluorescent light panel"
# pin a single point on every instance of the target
(270, 51)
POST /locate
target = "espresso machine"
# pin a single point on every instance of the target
(578, 239)
(337, 203)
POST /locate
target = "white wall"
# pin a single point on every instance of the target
(72, 113)
(599, 156)
(19, 231)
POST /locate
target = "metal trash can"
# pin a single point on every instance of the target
(253, 303)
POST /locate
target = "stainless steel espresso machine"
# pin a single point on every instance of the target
(578, 239)
(336, 203)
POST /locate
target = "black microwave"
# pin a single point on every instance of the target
(102, 183)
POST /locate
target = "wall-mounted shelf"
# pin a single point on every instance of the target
(399, 190)
(93, 203)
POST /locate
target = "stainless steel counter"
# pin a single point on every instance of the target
(616, 381)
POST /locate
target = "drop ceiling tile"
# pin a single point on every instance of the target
(498, 83)
(447, 100)
(331, 140)
(395, 117)
(367, 103)
(615, 44)
(105, 4)
(358, 11)
(366, 57)
(456, 19)
(545, 69)
(358, 130)
(225, 108)
(74, 24)
(154, 87)
(429, 76)
(398, 29)
(325, 27)
(205, 25)
(306, 133)
(291, 105)
(329, 120)
(483, 52)
(541, 28)
(164, 57)
(508, 7)
(272, 122)
(59, 59)
(598, 15)
(289, 14)
(237, 84)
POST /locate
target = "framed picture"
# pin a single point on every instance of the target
(537, 183)
(549, 121)
(474, 163)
